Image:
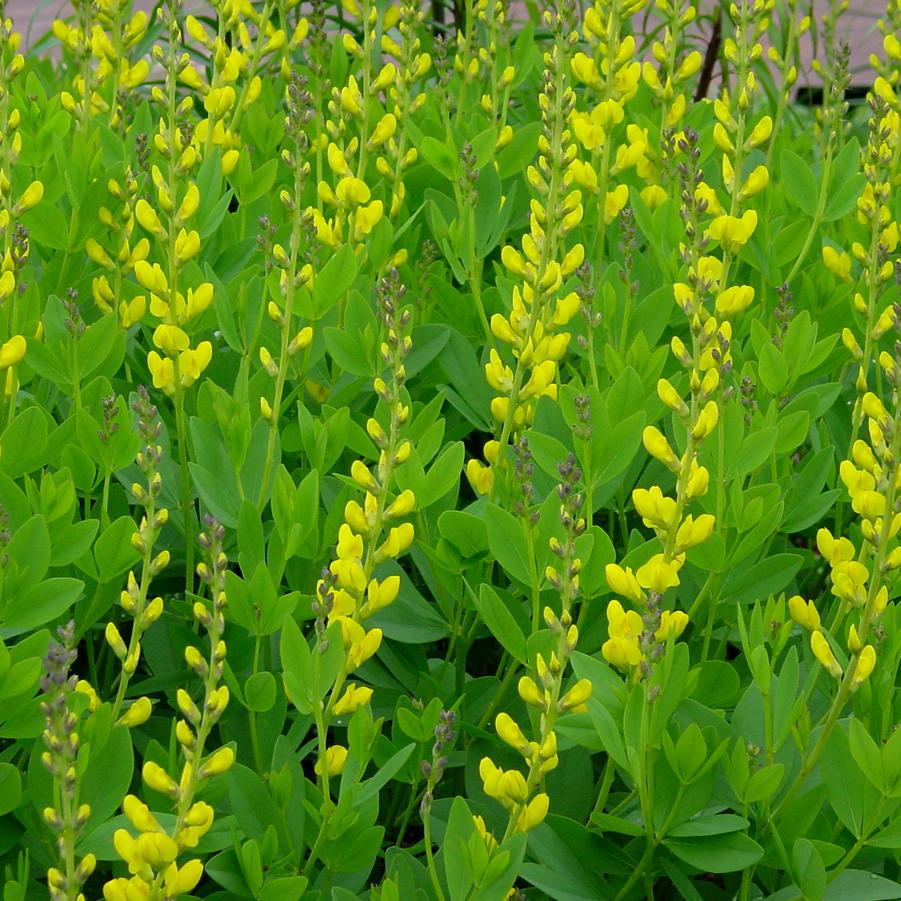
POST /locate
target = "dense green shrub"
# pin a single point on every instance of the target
(449, 467)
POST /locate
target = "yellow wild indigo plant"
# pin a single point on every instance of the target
(14, 243)
(294, 271)
(66, 817)
(177, 297)
(150, 850)
(119, 257)
(350, 590)
(669, 81)
(106, 32)
(524, 797)
(237, 57)
(534, 329)
(611, 75)
(880, 158)
(134, 598)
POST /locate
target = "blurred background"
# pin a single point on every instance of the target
(858, 26)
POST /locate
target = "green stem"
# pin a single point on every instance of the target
(430, 860)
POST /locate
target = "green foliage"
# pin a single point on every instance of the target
(423, 557)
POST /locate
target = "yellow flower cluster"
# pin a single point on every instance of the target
(234, 84)
(105, 34)
(889, 25)
(498, 75)
(534, 328)
(859, 579)
(293, 270)
(353, 132)
(880, 158)
(795, 24)
(520, 795)
(13, 249)
(412, 65)
(119, 257)
(351, 594)
(152, 853)
(134, 598)
(612, 75)
(668, 81)
(634, 640)
(736, 136)
(168, 221)
(67, 816)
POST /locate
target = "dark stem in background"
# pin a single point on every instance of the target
(711, 54)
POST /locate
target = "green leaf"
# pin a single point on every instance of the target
(866, 753)
(42, 604)
(297, 665)
(113, 552)
(501, 622)
(108, 776)
(716, 824)
(718, 853)
(23, 442)
(507, 542)
(10, 788)
(440, 157)
(260, 692)
(334, 280)
(861, 885)
(219, 491)
(799, 183)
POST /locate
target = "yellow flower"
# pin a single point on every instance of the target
(138, 713)
(655, 509)
(7, 284)
(694, 531)
(733, 232)
(178, 881)
(12, 352)
(187, 246)
(734, 299)
(821, 650)
(170, 339)
(658, 574)
(849, 582)
(354, 696)
(755, 183)
(192, 363)
(804, 613)
(162, 370)
(132, 311)
(508, 731)
(148, 218)
(158, 779)
(399, 539)
(658, 447)
(672, 622)
(367, 217)
(866, 661)
(335, 757)
(621, 648)
(139, 814)
(479, 476)
(760, 133)
(839, 264)
(622, 581)
(577, 695)
(835, 550)
(220, 761)
(533, 813)
(30, 198)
